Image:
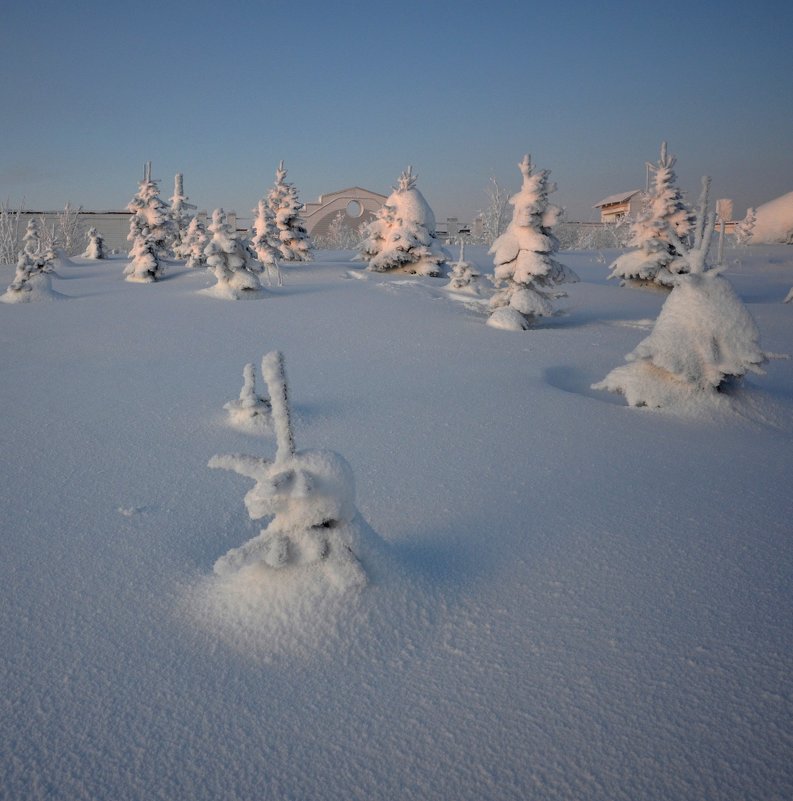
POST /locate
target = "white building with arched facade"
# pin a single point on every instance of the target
(359, 207)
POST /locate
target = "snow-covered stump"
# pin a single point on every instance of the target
(32, 281)
(525, 270)
(249, 412)
(704, 335)
(402, 235)
(309, 495)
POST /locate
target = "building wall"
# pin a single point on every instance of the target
(359, 207)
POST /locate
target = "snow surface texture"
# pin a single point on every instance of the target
(402, 235)
(569, 599)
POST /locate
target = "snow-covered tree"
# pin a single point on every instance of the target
(309, 495)
(525, 270)
(744, 228)
(294, 243)
(96, 245)
(194, 244)
(250, 411)
(180, 216)
(402, 234)
(495, 216)
(32, 281)
(703, 336)
(463, 276)
(144, 266)
(655, 259)
(230, 260)
(71, 230)
(31, 241)
(149, 212)
(340, 234)
(266, 241)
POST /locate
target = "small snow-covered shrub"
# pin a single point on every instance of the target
(96, 245)
(309, 496)
(402, 235)
(525, 270)
(463, 276)
(32, 281)
(250, 411)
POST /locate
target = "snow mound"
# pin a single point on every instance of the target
(508, 319)
(774, 222)
(37, 287)
(703, 334)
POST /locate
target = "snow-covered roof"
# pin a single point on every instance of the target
(620, 198)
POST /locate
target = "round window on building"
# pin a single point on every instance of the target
(354, 209)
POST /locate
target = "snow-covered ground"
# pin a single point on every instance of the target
(567, 598)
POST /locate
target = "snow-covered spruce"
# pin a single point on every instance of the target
(266, 242)
(31, 241)
(231, 262)
(250, 412)
(150, 231)
(525, 270)
(703, 335)
(96, 245)
(309, 495)
(402, 235)
(294, 243)
(32, 281)
(180, 217)
(463, 276)
(655, 258)
(194, 244)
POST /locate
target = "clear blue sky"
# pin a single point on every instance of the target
(350, 93)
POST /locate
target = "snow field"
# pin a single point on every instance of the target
(566, 597)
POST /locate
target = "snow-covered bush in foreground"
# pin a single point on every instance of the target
(96, 245)
(310, 498)
(402, 235)
(703, 335)
(32, 281)
(250, 411)
(232, 263)
(656, 258)
(525, 270)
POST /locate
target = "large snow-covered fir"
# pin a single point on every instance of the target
(525, 269)
(564, 598)
(402, 235)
